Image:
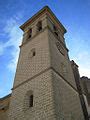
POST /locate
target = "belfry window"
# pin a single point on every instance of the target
(55, 30)
(31, 101)
(30, 33)
(39, 26)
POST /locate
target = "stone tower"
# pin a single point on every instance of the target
(44, 86)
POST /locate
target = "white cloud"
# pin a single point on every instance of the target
(14, 33)
(13, 62)
(83, 61)
(84, 71)
(79, 51)
(14, 40)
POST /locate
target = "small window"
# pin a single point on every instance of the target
(32, 53)
(54, 27)
(30, 33)
(55, 30)
(39, 26)
(31, 101)
(3, 108)
(28, 100)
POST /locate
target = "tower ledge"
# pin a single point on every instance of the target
(45, 10)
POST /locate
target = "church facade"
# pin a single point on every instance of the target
(44, 86)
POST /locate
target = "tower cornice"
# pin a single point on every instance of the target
(45, 10)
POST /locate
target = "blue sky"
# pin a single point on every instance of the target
(73, 14)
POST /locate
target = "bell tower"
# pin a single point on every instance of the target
(44, 86)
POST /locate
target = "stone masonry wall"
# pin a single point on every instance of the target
(67, 100)
(43, 108)
(60, 62)
(29, 66)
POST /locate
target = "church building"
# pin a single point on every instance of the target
(45, 86)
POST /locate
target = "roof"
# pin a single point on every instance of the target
(42, 11)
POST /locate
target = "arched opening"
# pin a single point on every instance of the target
(39, 26)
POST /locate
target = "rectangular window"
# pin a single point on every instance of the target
(30, 33)
(39, 26)
(55, 30)
(31, 101)
(34, 53)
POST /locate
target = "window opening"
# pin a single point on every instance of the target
(55, 30)
(39, 26)
(30, 33)
(31, 101)
(34, 53)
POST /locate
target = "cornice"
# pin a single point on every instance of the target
(44, 10)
